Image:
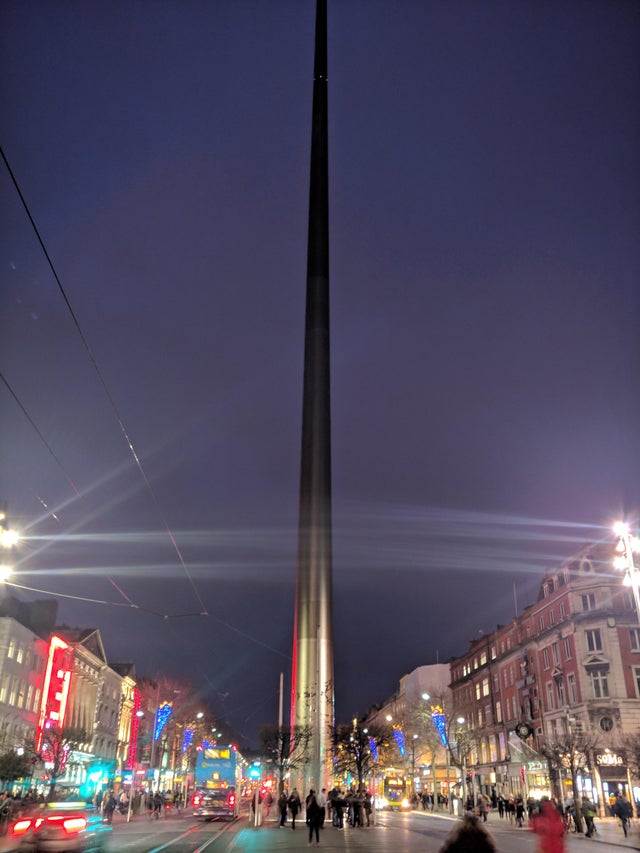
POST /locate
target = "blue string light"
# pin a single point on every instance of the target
(374, 748)
(187, 739)
(163, 714)
(399, 736)
(440, 722)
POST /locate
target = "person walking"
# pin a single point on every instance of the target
(622, 809)
(294, 806)
(321, 800)
(283, 805)
(548, 825)
(314, 817)
(588, 811)
(109, 807)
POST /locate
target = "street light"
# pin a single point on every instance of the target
(626, 547)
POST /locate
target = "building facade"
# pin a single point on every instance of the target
(548, 699)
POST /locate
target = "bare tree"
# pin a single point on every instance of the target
(631, 745)
(355, 749)
(286, 748)
(569, 753)
(54, 750)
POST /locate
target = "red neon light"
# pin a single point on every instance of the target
(55, 691)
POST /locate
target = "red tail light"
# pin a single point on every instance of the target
(71, 824)
(231, 799)
(21, 827)
(197, 799)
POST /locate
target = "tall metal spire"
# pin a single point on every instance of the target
(312, 693)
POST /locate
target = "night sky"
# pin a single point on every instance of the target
(484, 166)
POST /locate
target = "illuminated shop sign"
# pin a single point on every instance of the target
(610, 759)
(55, 691)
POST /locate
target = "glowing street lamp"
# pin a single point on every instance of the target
(627, 546)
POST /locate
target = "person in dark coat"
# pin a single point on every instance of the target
(623, 811)
(469, 837)
(283, 805)
(294, 806)
(314, 817)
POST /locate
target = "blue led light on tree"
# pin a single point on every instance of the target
(399, 737)
(187, 738)
(440, 722)
(164, 712)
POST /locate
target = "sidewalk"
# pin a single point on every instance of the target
(608, 831)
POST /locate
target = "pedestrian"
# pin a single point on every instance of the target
(520, 812)
(588, 811)
(109, 807)
(294, 806)
(548, 825)
(321, 800)
(267, 802)
(314, 817)
(621, 809)
(501, 806)
(158, 802)
(283, 804)
(366, 803)
(469, 837)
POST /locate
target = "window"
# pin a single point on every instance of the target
(634, 637)
(511, 675)
(567, 648)
(636, 678)
(588, 601)
(563, 612)
(36, 700)
(550, 700)
(12, 649)
(483, 658)
(22, 690)
(542, 623)
(505, 678)
(599, 683)
(485, 687)
(499, 704)
(552, 618)
(19, 654)
(27, 704)
(561, 698)
(494, 654)
(545, 658)
(594, 641)
(477, 690)
(13, 690)
(5, 687)
(556, 653)
(475, 663)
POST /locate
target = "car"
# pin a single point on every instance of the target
(215, 802)
(60, 827)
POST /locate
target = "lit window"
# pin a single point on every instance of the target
(485, 687)
(499, 704)
(19, 654)
(12, 649)
(478, 690)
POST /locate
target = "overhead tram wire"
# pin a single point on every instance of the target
(204, 611)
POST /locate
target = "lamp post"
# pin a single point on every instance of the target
(626, 547)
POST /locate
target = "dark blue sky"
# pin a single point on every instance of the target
(484, 218)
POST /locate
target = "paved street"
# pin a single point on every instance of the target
(395, 833)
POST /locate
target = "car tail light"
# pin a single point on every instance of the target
(71, 825)
(197, 799)
(231, 800)
(21, 827)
